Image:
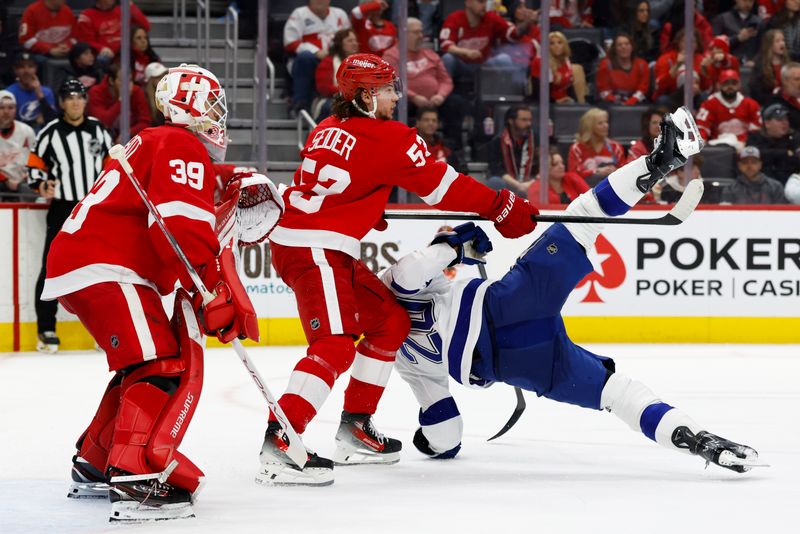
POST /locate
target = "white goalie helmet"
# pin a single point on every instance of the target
(192, 97)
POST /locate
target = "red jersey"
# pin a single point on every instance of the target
(767, 8)
(560, 83)
(371, 38)
(348, 170)
(701, 26)
(637, 150)
(584, 160)
(492, 27)
(623, 86)
(106, 107)
(111, 237)
(572, 184)
(42, 29)
(665, 82)
(717, 116)
(102, 29)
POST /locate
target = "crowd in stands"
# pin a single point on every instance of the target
(745, 82)
(51, 46)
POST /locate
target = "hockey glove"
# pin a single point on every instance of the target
(512, 216)
(230, 314)
(469, 241)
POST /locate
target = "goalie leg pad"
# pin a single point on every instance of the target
(95, 441)
(158, 402)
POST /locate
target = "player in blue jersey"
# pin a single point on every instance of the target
(479, 332)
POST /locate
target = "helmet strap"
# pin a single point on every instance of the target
(370, 114)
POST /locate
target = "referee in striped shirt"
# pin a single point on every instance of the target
(66, 160)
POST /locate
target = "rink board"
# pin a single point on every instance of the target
(728, 275)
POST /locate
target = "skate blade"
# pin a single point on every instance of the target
(729, 459)
(284, 475)
(134, 512)
(352, 456)
(88, 490)
(46, 349)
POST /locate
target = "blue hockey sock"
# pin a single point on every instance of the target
(617, 193)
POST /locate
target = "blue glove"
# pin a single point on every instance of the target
(469, 241)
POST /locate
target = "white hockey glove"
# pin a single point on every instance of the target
(469, 241)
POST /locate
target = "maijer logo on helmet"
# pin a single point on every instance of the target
(381, 88)
(192, 97)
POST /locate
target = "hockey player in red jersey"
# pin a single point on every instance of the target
(110, 265)
(350, 163)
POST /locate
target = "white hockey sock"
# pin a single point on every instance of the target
(585, 205)
(643, 411)
(618, 193)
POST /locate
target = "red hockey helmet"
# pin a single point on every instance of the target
(365, 71)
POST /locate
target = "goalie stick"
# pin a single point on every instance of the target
(296, 450)
(678, 214)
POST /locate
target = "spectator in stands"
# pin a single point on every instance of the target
(100, 27)
(644, 35)
(427, 124)
(8, 48)
(727, 116)
(429, 84)
(526, 47)
(152, 75)
(752, 186)
(594, 155)
(622, 77)
(787, 19)
(511, 152)
(430, 13)
(307, 36)
(46, 28)
(16, 140)
(778, 144)
(651, 128)
(468, 35)
(792, 189)
(562, 187)
(741, 26)
(717, 59)
(674, 24)
(345, 43)
(768, 65)
(670, 64)
(83, 65)
(567, 81)
(35, 102)
(789, 93)
(768, 8)
(565, 14)
(105, 101)
(673, 186)
(375, 33)
(142, 54)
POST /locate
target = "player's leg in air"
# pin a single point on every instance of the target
(530, 297)
(129, 451)
(385, 324)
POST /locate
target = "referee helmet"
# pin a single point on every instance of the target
(71, 86)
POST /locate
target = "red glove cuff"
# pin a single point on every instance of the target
(512, 216)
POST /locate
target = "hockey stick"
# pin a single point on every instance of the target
(296, 451)
(677, 215)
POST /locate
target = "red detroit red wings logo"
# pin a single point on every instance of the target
(609, 273)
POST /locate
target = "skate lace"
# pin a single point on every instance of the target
(372, 431)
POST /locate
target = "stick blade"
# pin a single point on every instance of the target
(688, 202)
(521, 405)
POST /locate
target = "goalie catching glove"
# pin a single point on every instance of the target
(512, 216)
(230, 314)
(469, 241)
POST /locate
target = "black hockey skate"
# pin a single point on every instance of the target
(277, 469)
(87, 482)
(717, 450)
(358, 442)
(679, 139)
(136, 498)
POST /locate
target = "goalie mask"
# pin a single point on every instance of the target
(250, 208)
(192, 97)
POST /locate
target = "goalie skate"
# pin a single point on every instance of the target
(717, 450)
(277, 469)
(358, 442)
(139, 498)
(678, 141)
(87, 482)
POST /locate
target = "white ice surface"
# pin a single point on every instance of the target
(562, 469)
